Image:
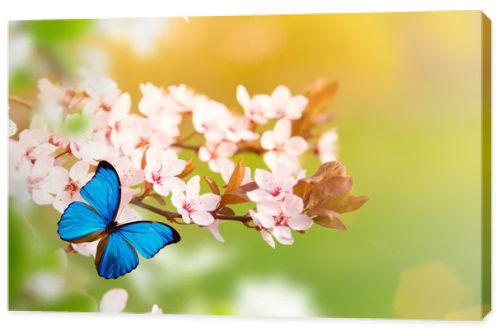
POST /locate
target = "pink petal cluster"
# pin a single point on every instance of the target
(283, 148)
(194, 207)
(278, 210)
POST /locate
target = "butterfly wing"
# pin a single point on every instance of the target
(80, 223)
(103, 191)
(115, 257)
(148, 237)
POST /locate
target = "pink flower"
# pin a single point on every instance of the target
(214, 230)
(217, 155)
(69, 185)
(43, 180)
(161, 170)
(265, 234)
(184, 96)
(56, 100)
(280, 218)
(256, 108)
(210, 118)
(129, 176)
(281, 104)
(281, 147)
(90, 148)
(327, 146)
(193, 206)
(273, 186)
(102, 93)
(287, 106)
(117, 117)
(32, 144)
(238, 129)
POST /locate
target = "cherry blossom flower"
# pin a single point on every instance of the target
(184, 96)
(264, 232)
(69, 185)
(217, 155)
(56, 100)
(287, 106)
(43, 180)
(32, 144)
(90, 148)
(161, 170)
(117, 116)
(238, 129)
(327, 146)
(282, 217)
(129, 176)
(281, 147)
(211, 118)
(101, 91)
(273, 185)
(193, 206)
(162, 108)
(256, 108)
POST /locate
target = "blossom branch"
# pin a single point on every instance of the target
(172, 216)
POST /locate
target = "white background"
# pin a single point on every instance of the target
(21, 322)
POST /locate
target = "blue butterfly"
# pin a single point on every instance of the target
(116, 252)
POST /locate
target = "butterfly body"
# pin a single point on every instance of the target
(96, 220)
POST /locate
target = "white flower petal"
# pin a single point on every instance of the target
(202, 218)
(296, 146)
(214, 229)
(79, 171)
(283, 234)
(208, 202)
(193, 187)
(300, 222)
(267, 140)
(114, 301)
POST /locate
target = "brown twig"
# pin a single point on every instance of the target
(186, 146)
(172, 216)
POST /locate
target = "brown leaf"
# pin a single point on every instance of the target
(233, 198)
(329, 189)
(335, 223)
(351, 203)
(319, 95)
(227, 211)
(190, 167)
(213, 186)
(328, 170)
(250, 186)
(236, 177)
(322, 212)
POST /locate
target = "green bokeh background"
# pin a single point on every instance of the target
(408, 113)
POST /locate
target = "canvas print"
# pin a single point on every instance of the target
(327, 165)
